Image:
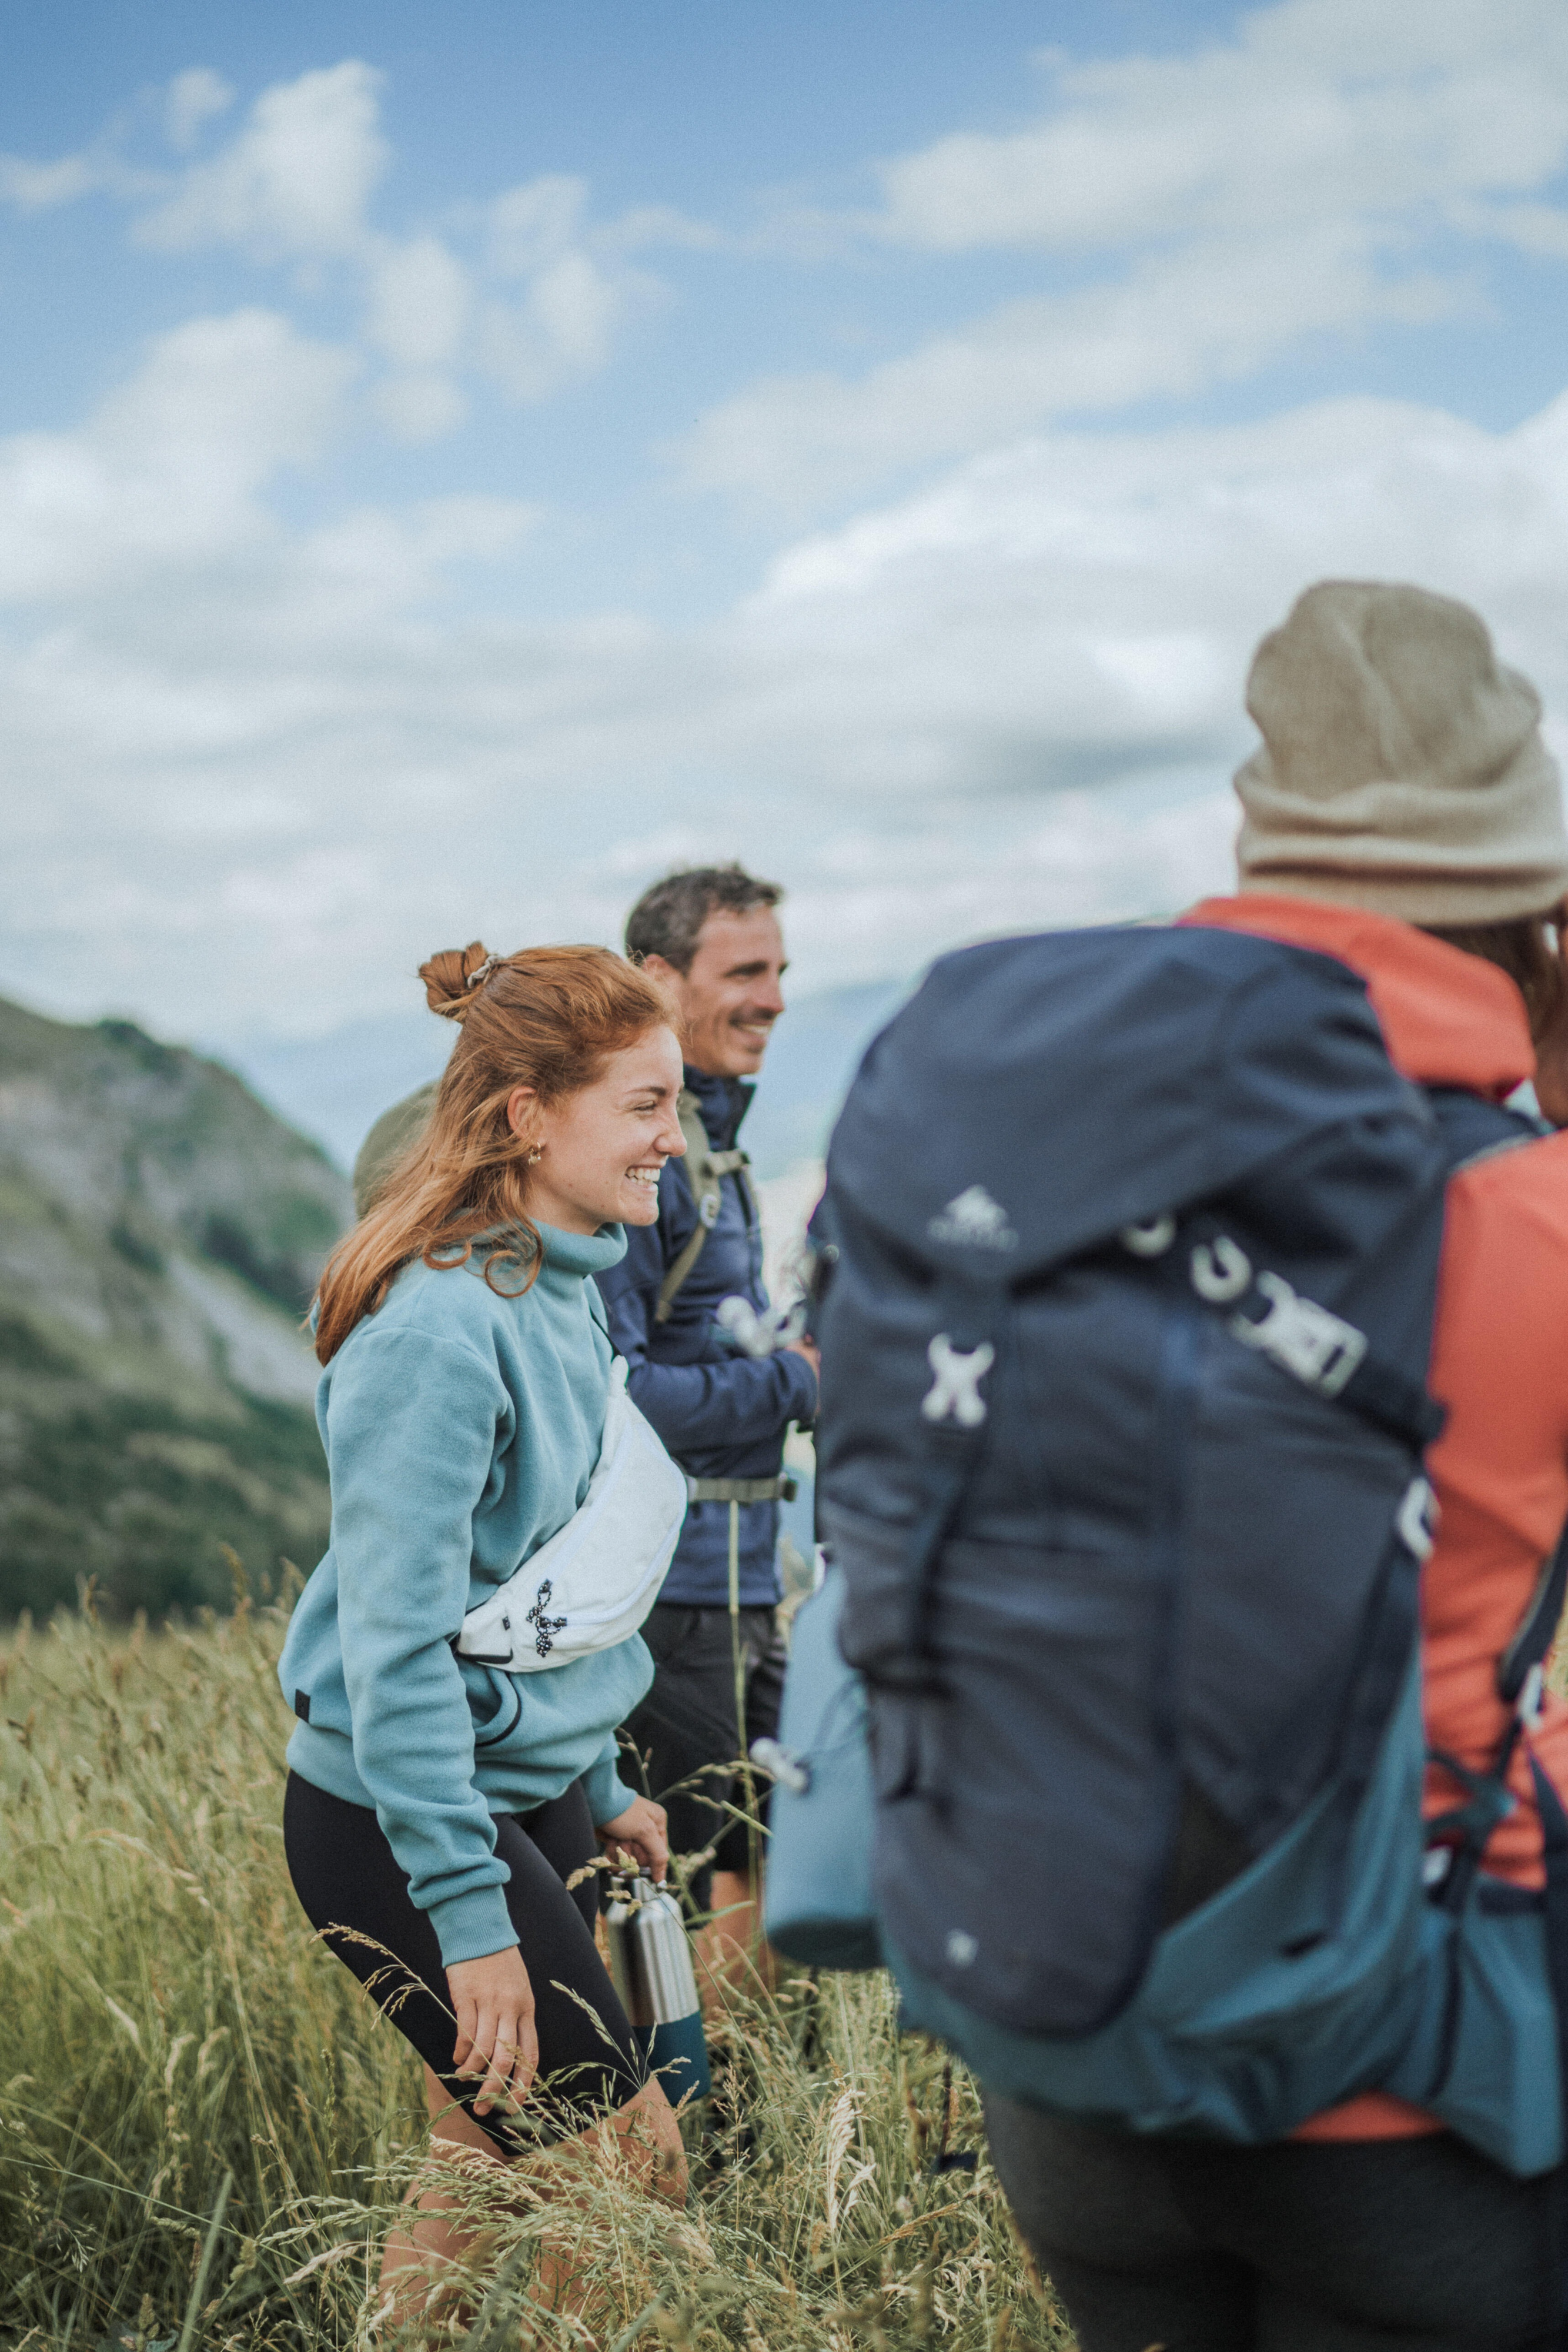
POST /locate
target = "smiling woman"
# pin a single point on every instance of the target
(567, 1053)
(442, 1802)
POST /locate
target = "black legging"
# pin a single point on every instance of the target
(347, 1876)
(1416, 2245)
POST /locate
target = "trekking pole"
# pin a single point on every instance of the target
(737, 1656)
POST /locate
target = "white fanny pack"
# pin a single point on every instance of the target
(597, 1578)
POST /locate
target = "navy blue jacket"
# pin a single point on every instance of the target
(721, 1414)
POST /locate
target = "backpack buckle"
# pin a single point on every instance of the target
(1416, 1518)
(1317, 1348)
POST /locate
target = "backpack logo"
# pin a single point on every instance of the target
(975, 1221)
(956, 1390)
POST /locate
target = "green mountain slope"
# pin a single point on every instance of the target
(161, 1232)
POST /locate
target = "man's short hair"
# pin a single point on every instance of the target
(667, 917)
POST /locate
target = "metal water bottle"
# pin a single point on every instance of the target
(650, 1962)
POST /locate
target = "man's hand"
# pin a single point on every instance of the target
(493, 2002)
(639, 1833)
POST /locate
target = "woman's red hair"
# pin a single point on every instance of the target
(547, 1018)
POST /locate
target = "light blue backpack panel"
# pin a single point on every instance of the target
(818, 1905)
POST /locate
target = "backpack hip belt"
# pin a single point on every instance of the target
(741, 1490)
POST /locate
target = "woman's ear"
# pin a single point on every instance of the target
(522, 1108)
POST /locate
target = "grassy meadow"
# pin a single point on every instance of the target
(205, 2129)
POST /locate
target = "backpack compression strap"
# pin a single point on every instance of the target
(705, 1171)
(955, 1414)
(1315, 1347)
(1457, 1840)
(1319, 1349)
(1262, 1310)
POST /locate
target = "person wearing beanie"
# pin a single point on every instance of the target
(1402, 770)
(1402, 815)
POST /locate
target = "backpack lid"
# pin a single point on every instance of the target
(1037, 1095)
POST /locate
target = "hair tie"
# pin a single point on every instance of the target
(481, 972)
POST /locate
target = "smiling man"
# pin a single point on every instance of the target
(712, 935)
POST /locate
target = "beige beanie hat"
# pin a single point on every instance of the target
(1402, 768)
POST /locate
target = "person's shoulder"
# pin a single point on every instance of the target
(1533, 1168)
(1519, 1193)
(452, 1306)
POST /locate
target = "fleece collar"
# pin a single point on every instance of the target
(583, 1254)
(564, 1253)
(1449, 1019)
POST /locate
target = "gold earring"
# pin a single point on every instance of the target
(537, 1153)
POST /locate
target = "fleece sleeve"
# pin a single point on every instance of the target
(607, 1795)
(729, 1400)
(412, 1426)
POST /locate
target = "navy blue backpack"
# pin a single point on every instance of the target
(1130, 1242)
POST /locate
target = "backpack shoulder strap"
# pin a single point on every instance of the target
(1473, 1129)
(704, 1169)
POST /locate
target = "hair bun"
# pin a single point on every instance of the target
(452, 978)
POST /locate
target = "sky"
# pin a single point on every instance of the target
(457, 462)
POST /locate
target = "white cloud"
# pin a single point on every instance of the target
(40, 187)
(660, 224)
(264, 765)
(1312, 106)
(421, 296)
(562, 326)
(1317, 172)
(424, 406)
(1174, 325)
(1533, 228)
(297, 180)
(276, 766)
(561, 331)
(537, 307)
(193, 99)
(531, 225)
(538, 310)
(169, 470)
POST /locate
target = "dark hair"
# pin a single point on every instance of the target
(666, 919)
(1522, 948)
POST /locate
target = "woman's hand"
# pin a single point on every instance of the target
(638, 1831)
(493, 2002)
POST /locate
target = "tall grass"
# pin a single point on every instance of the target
(205, 2129)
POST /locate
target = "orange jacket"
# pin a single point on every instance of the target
(1500, 1364)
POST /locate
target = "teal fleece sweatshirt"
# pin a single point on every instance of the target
(461, 1429)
